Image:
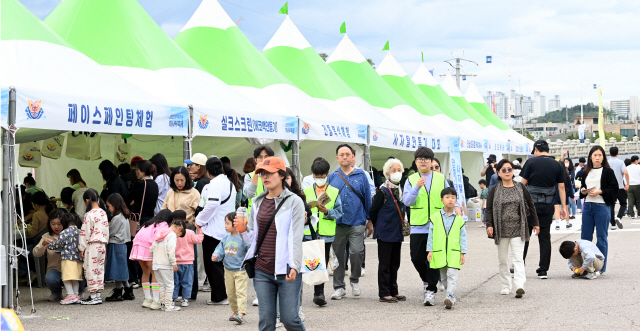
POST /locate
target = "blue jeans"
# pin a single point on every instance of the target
(572, 207)
(579, 204)
(269, 289)
(183, 278)
(597, 215)
(53, 278)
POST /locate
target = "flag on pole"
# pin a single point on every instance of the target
(284, 9)
(386, 46)
(343, 28)
(600, 119)
(422, 57)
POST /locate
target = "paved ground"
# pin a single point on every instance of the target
(609, 302)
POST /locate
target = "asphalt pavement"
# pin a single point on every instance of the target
(558, 303)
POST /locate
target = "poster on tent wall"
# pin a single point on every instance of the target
(456, 172)
(494, 146)
(45, 110)
(519, 149)
(52, 147)
(473, 145)
(406, 141)
(244, 125)
(314, 129)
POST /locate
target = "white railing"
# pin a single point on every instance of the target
(578, 149)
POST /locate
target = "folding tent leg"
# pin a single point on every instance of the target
(186, 145)
(295, 160)
(7, 223)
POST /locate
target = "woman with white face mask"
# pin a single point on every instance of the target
(387, 215)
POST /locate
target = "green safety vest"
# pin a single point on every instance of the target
(325, 226)
(446, 246)
(426, 204)
(259, 190)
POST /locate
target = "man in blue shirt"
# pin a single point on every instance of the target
(356, 201)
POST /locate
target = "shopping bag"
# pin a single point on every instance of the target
(30, 155)
(94, 146)
(77, 146)
(52, 147)
(122, 151)
(314, 268)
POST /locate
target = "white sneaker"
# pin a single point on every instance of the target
(255, 302)
(185, 303)
(205, 288)
(147, 303)
(278, 323)
(362, 272)
(355, 289)
(613, 227)
(330, 272)
(171, 308)
(633, 217)
(338, 294)
(505, 291)
(591, 275)
(429, 298)
(441, 286)
(223, 302)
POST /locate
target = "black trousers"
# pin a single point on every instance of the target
(622, 200)
(319, 289)
(545, 212)
(388, 265)
(135, 272)
(214, 270)
(418, 246)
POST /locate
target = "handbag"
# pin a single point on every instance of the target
(249, 265)
(314, 267)
(134, 219)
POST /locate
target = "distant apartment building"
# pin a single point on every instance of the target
(539, 104)
(554, 104)
(620, 107)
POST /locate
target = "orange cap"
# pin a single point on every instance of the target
(271, 164)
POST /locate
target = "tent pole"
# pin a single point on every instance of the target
(367, 151)
(186, 146)
(7, 223)
(295, 160)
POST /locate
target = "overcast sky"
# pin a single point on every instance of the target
(555, 45)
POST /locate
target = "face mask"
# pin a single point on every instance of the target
(320, 181)
(566, 165)
(516, 172)
(395, 177)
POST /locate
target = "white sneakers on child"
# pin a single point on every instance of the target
(223, 302)
(449, 301)
(147, 303)
(255, 302)
(185, 303)
(429, 298)
(505, 291)
(338, 294)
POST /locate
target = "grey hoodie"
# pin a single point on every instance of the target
(289, 222)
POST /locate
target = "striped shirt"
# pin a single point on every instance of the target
(266, 260)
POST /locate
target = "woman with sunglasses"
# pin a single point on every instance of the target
(276, 224)
(435, 166)
(509, 205)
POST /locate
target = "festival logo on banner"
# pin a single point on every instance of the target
(51, 147)
(461, 143)
(375, 136)
(305, 127)
(203, 122)
(34, 109)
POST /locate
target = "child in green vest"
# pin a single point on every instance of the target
(447, 243)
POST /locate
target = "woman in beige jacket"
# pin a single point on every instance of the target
(182, 195)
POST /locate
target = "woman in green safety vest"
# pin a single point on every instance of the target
(253, 184)
(323, 218)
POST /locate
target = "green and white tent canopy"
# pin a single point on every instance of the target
(293, 56)
(391, 71)
(355, 71)
(59, 88)
(120, 35)
(430, 88)
(477, 102)
(215, 42)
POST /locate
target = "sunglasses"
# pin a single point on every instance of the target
(265, 174)
(436, 168)
(506, 170)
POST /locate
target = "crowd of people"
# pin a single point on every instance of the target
(167, 230)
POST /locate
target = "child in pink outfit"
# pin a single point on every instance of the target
(141, 252)
(183, 278)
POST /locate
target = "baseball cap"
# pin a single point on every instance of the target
(271, 164)
(538, 143)
(136, 159)
(197, 158)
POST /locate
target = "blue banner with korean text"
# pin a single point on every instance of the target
(406, 140)
(456, 173)
(314, 129)
(244, 125)
(43, 110)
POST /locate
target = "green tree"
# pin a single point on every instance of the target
(324, 56)
(560, 115)
(371, 63)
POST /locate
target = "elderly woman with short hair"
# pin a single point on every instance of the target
(387, 215)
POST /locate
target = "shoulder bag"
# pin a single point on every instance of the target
(249, 265)
(352, 189)
(135, 218)
(396, 202)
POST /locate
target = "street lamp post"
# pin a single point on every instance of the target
(508, 58)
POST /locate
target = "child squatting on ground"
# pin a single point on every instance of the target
(231, 251)
(163, 250)
(447, 244)
(71, 264)
(183, 278)
(585, 259)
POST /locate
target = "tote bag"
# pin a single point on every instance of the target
(314, 267)
(52, 147)
(122, 151)
(30, 155)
